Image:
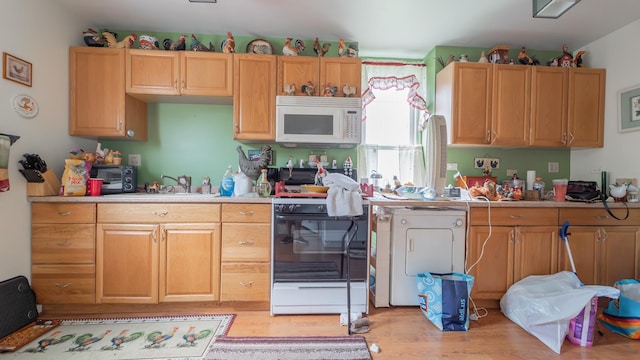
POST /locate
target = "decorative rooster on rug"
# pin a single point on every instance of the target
(121, 338)
(191, 336)
(157, 338)
(253, 168)
(83, 342)
(112, 40)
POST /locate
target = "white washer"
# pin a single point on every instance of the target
(423, 239)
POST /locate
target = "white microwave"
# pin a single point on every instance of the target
(317, 121)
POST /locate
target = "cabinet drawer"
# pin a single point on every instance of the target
(57, 213)
(599, 216)
(514, 216)
(63, 243)
(246, 242)
(158, 213)
(245, 282)
(254, 213)
(64, 284)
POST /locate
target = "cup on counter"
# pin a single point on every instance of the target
(560, 189)
(95, 186)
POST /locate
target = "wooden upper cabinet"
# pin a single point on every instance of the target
(463, 97)
(298, 71)
(549, 106)
(254, 94)
(510, 105)
(98, 104)
(340, 72)
(179, 73)
(585, 113)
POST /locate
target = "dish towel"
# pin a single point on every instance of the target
(343, 196)
(5, 142)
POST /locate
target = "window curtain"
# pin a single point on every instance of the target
(385, 75)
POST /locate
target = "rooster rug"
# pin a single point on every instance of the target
(181, 337)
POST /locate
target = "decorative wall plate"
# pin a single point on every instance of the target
(25, 106)
(259, 46)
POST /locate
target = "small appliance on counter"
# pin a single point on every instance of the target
(117, 179)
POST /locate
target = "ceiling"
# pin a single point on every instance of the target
(393, 29)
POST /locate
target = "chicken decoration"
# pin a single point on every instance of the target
(317, 180)
(118, 340)
(320, 50)
(191, 336)
(348, 91)
(157, 338)
(52, 339)
(290, 90)
(196, 45)
(330, 90)
(290, 165)
(228, 45)
(174, 45)
(83, 342)
(112, 40)
(293, 49)
(308, 89)
(253, 168)
(352, 50)
(341, 49)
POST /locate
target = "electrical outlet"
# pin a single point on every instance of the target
(452, 166)
(554, 167)
(511, 172)
(135, 160)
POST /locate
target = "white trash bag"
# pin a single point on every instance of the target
(544, 305)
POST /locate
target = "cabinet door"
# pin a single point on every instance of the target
(494, 272)
(206, 74)
(96, 92)
(298, 71)
(620, 255)
(153, 72)
(340, 72)
(127, 263)
(510, 105)
(254, 94)
(584, 243)
(586, 107)
(535, 252)
(463, 97)
(189, 262)
(548, 106)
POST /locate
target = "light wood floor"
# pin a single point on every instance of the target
(400, 332)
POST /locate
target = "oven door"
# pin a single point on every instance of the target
(312, 248)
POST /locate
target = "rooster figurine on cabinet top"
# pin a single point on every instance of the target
(229, 44)
(196, 45)
(293, 49)
(308, 88)
(320, 50)
(348, 91)
(341, 49)
(289, 90)
(112, 41)
(174, 45)
(330, 90)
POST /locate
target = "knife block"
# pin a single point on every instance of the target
(50, 186)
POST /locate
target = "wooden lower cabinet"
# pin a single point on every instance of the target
(246, 249)
(63, 252)
(520, 242)
(604, 249)
(171, 261)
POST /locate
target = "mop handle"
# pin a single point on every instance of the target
(564, 231)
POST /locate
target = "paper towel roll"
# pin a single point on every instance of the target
(531, 178)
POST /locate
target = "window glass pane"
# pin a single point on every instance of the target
(389, 119)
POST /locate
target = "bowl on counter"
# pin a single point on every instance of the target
(417, 192)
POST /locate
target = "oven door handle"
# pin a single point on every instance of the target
(314, 217)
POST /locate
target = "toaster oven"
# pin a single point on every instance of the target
(116, 178)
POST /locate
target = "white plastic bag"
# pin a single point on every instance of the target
(543, 305)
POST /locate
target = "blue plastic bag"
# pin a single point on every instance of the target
(444, 299)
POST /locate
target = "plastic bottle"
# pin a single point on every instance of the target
(227, 183)
(538, 186)
(263, 186)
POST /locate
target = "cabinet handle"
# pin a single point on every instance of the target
(572, 138)
(64, 244)
(63, 286)
(182, 84)
(512, 236)
(495, 137)
(163, 234)
(119, 125)
(247, 285)
(605, 236)
(161, 213)
(249, 243)
(175, 84)
(248, 213)
(410, 245)
(564, 138)
(515, 216)
(64, 213)
(602, 217)
(489, 136)
(154, 235)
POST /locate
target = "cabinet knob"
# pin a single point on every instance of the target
(248, 213)
(64, 213)
(248, 243)
(63, 286)
(161, 213)
(247, 285)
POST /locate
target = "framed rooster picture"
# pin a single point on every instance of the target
(16, 69)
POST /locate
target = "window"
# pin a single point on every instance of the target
(393, 111)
